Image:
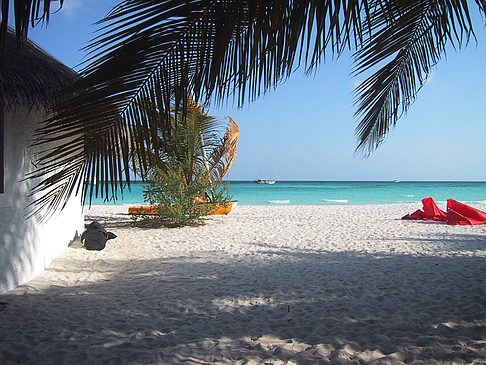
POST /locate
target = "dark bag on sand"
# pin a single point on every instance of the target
(95, 236)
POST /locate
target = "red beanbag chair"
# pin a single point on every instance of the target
(462, 214)
(430, 212)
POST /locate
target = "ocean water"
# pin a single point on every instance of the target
(336, 192)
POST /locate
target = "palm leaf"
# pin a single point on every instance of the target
(215, 50)
(223, 155)
(169, 49)
(191, 141)
(412, 35)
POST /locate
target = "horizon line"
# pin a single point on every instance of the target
(347, 181)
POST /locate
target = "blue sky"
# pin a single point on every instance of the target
(304, 130)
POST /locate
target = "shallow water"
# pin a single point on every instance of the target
(336, 192)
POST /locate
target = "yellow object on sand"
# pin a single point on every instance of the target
(143, 210)
(198, 199)
(213, 209)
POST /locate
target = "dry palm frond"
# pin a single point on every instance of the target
(231, 141)
(223, 156)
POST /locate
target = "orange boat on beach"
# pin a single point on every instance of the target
(214, 209)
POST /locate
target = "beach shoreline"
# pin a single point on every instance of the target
(263, 285)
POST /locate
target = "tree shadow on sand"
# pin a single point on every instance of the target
(119, 220)
(307, 306)
(125, 220)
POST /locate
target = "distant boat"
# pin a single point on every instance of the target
(263, 181)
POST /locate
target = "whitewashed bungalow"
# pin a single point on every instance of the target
(29, 79)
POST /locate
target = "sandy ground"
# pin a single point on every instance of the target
(263, 285)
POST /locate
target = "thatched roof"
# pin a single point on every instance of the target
(29, 75)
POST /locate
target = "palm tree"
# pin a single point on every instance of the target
(193, 143)
(220, 49)
(187, 161)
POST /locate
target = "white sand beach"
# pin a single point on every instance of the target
(263, 285)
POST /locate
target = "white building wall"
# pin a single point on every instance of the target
(27, 247)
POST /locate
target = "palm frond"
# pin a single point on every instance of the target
(174, 48)
(222, 156)
(230, 141)
(214, 50)
(191, 141)
(412, 35)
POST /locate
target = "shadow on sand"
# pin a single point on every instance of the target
(326, 307)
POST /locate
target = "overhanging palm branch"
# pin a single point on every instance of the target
(218, 49)
(413, 35)
(167, 49)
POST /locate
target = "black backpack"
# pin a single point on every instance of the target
(95, 236)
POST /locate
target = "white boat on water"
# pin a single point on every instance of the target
(264, 181)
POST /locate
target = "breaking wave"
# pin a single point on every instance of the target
(279, 201)
(336, 200)
(474, 202)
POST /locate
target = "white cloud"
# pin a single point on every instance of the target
(70, 7)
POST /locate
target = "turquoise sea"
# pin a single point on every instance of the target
(336, 192)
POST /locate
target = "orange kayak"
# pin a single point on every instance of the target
(143, 210)
(218, 209)
(213, 210)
